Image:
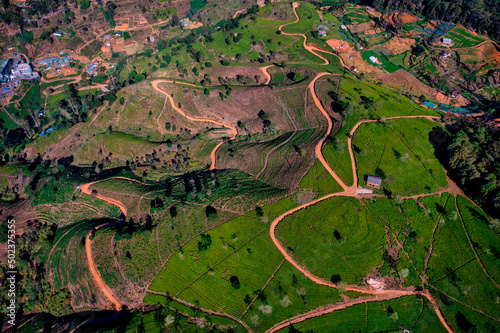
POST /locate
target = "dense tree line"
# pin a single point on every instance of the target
(482, 15)
(472, 155)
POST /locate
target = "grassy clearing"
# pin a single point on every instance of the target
(411, 312)
(399, 152)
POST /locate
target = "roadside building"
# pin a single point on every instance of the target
(446, 41)
(374, 181)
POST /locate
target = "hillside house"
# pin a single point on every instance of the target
(444, 55)
(374, 181)
(446, 41)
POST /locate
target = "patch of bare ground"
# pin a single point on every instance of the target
(401, 79)
(397, 45)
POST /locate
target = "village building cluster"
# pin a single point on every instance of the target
(12, 70)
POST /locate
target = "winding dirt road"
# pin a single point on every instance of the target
(378, 295)
(355, 128)
(349, 191)
(112, 298)
(213, 154)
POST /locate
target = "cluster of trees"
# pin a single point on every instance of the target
(482, 15)
(472, 155)
(33, 290)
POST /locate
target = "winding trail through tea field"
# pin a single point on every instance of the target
(233, 129)
(348, 191)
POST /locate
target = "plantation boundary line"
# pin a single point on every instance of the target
(429, 254)
(189, 305)
(455, 269)
(466, 305)
(472, 246)
(265, 286)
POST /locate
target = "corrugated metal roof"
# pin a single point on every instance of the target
(374, 180)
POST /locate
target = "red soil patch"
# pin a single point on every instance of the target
(399, 19)
(398, 45)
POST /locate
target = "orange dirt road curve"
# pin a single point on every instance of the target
(355, 128)
(112, 298)
(348, 191)
(201, 119)
(266, 73)
(377, 295)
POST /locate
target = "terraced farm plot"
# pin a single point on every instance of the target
(68, 267)
(453, 266)
(463, 38)
(351, 252)
(410, 312)
(287, 164)
(354, 15)
(399, 152)
(233, 249)
(289, 293)
(249, 156)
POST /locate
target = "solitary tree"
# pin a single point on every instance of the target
(335, 278)
(235, 282)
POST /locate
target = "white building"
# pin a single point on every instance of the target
(21, 69)
(446, 41)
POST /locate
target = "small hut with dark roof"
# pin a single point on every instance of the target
(374, 181)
